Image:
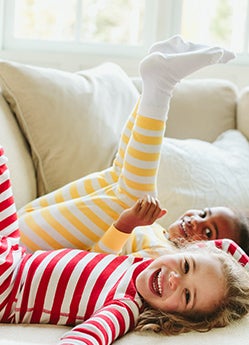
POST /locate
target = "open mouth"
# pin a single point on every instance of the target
(183, 228)
(156, 283)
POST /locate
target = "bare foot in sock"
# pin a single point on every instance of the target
(174, 67)
(161, 72)
(176, 44)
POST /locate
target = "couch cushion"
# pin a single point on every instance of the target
(32, 334)
(19, 159)
(197, 105)
(198, 174)
(72, 121)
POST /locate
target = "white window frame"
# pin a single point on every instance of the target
(1, 23)
(162, 19)
(160, 22)
(153, 8)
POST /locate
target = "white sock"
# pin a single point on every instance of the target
(226, 56)
(176, 44)
(161, 72)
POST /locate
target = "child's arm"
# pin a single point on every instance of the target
(144, 212)
(229, 246)
(9, 229)
(10, 251)
(8, 218)
(105, 326)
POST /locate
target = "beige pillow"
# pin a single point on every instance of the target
(197, 174)
(72, 121)
(201, 108)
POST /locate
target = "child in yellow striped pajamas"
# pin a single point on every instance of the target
(78, 214)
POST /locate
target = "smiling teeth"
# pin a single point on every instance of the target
(159, 283)
(157, 286)
(184, 226)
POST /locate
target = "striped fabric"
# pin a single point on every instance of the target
(95, 292)
(78, 214)
(232, 248)
(152, 243)
(10, 253)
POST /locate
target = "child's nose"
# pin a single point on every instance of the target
(191, 221)
(174, 280)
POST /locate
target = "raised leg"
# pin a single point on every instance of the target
(81, 221)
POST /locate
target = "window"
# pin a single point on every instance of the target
(221, 22)
(83, 21)
(76, 24)
(120, 27)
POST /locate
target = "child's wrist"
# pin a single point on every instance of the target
(122, 227)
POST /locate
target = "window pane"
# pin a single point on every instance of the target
(100, 21)
(221, 22)
(113, 21)
(45, 19)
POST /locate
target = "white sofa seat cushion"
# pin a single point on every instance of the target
(235, 334)
(197, 174)
(72, 121)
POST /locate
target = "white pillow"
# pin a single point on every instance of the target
(72, 121)
(198, 174)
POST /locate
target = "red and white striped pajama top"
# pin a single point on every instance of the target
(95, 292)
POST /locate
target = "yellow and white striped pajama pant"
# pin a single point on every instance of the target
(78, 214)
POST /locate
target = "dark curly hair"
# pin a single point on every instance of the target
(243, 229)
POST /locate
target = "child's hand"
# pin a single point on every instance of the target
(145, 212)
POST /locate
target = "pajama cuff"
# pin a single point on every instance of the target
(114, 239)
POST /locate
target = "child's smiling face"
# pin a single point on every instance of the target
(207, 224)
(183, 282)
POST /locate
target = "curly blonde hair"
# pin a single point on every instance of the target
(233, 306)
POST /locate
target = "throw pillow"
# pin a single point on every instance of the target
(69, 119)
(197, 174)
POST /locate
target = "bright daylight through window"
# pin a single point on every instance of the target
(221, 22)
(106, 21)
(74, 24)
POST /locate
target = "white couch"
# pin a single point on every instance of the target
(57, 126)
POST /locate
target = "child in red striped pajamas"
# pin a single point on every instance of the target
(78, 214)
(103, 295)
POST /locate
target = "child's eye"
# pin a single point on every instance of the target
(208, 233)
(186, 266)
(187, 296)
(203, 214)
